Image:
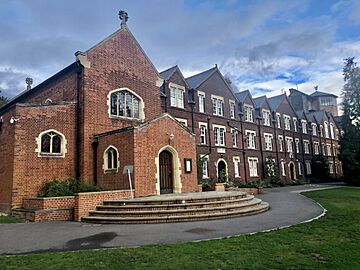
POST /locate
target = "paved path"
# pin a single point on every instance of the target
(288, 207)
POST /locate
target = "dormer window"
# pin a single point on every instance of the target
(201, 101)
(125, 104)
(278, 120)
(248, 110)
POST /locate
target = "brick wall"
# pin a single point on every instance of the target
(86, 202)
(7, 142)
(31, 171)
(49, 203)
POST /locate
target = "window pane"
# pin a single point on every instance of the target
(45, 143)
(110, 158)
(115, 159)
(113, 104)
(56, 144)
(121, 97)
(128, 105)
(136, 108)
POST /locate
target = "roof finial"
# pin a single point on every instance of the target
(316, 87)
(123, 17)
(29, 82)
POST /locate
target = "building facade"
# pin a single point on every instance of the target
(110, 114)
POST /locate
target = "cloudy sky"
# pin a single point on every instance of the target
(263, 46)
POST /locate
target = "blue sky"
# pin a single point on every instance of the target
(263, 46)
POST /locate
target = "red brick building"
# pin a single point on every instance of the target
(111, 110)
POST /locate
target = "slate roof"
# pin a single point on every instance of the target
(319, 115)
(242, 95)
(196, 80)
(320, 94)
(275, 101)
(259, 101)
(166, 74)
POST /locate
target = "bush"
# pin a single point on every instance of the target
(67, 187)
(208, 184)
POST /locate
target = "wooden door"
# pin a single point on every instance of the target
(166, 172)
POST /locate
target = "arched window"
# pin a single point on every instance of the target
(124, 103)
(326, 129)
(51, 143)
(111, 159)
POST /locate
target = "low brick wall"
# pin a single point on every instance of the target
(86, 202)
(49, 203)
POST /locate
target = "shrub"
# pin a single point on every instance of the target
(67, 187)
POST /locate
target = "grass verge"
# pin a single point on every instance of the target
(332, 242)
(9, 219)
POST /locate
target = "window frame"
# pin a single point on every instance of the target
(201, 96)
(268, 137)
(201, 125)
(106, 167)
(141, 105)
(253, 139)
(236, 161)
(253, 170)
(63, 143)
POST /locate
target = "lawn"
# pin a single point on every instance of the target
(9, 219)
(332, 242)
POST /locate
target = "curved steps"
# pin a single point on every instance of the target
(177, 208)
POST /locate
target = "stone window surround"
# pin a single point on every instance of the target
(177, 100)
(63, 145)
(105, 163)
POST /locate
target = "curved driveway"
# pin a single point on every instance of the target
(288, 207)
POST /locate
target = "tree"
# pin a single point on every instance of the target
(3, 100)
(272, 172)
(350, 124)
(320, 169)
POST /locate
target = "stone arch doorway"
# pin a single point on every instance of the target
(166, 172)
(292, 171)
(221, 171)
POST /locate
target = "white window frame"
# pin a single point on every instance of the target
(314, 129)
(326, 129)
(202, 135)
(250, 140)
(63, 149)
(331, 167)
(328, 149)
(201, 96)
(141, 105)
(308, 167)
(287, 120)
(282, 166)
(289, 145)
(281, 143)
(253, 163)
(232, 109)
(106, 166)
(332, 134)
(268, 137)
(306, 147)
(249, 113)
(177, 96)
(219, 135)
(295, 122)
(205, 167)
(182, 121)
(266, 115)
(300, 168)
(218, 105)
(304, 126)
(297, 145)
(316, 148)
(236, 161)
(278, 120)
(234, 135)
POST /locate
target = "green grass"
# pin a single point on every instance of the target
(9, 219)
(332, 242)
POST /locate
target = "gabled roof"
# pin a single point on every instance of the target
(241, 96)
(259, 101)
(196, 80)
(275, 101)
(27, 93)
(321, 94)
(311, 115)
(301, 114)
(167, 73)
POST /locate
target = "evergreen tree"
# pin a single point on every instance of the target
(3, 100)
(350, 124)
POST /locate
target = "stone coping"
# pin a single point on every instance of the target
(104, 192)
(49, 198)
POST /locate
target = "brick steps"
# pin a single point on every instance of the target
(177, 208)
(262, 207)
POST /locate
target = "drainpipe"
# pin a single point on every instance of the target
(242, 140)
(276, 140)
(78, 115)
(95, 145)
(192, 104)
(261, 150)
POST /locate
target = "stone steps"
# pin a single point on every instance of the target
(177, 208)
(155, 207)
(262, 207)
